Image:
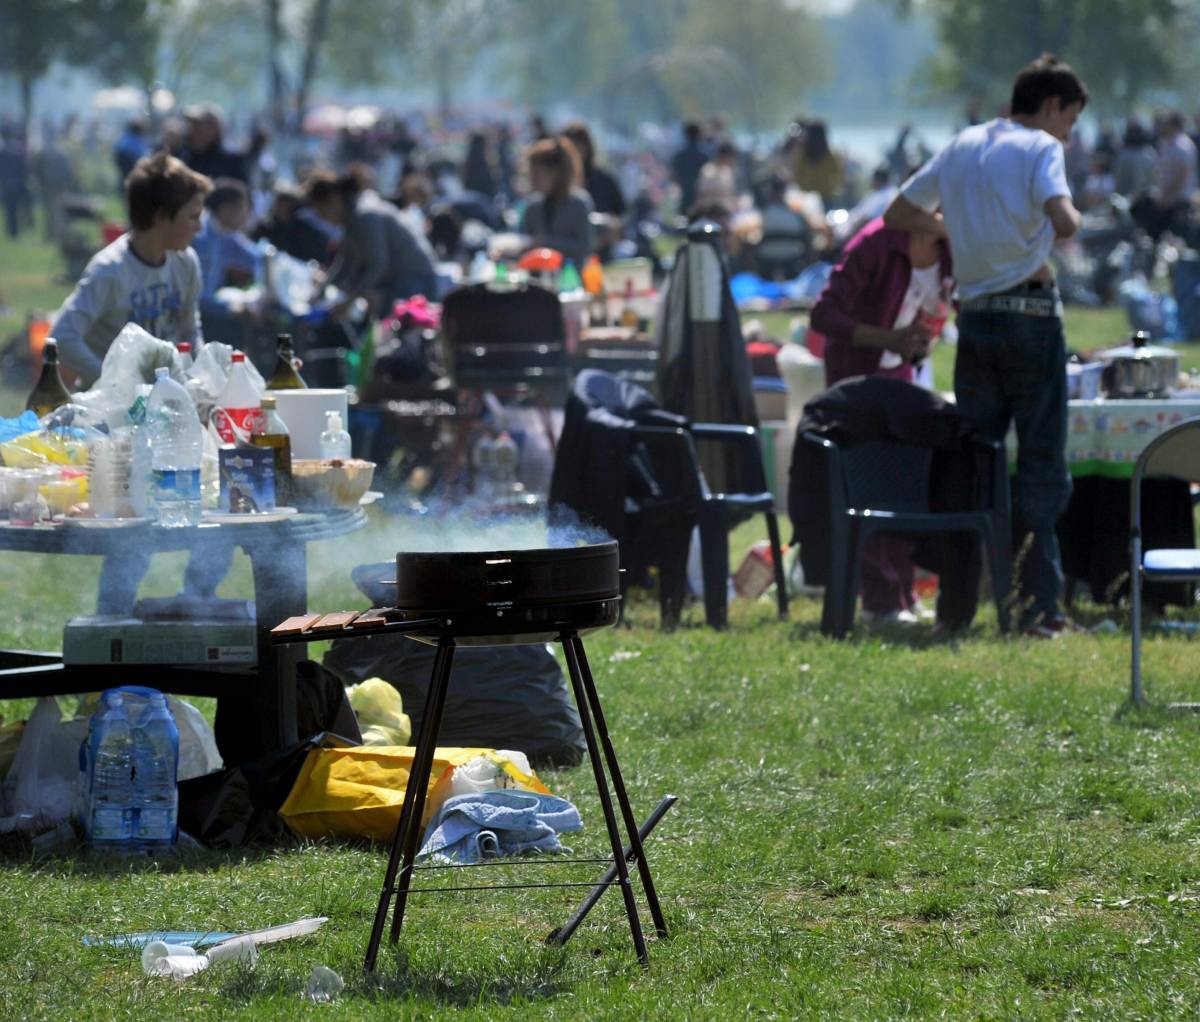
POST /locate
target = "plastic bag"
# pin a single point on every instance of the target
(43, 784)
(380, 712)
(359, 792)
(508, 697)
(127, 371)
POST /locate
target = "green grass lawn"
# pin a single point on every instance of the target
(885, 827)
(889, 826)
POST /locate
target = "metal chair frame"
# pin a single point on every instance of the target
(1175, 454)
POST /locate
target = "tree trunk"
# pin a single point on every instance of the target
(26, 85)
(443, 73)
(275, 86)
(317, 26)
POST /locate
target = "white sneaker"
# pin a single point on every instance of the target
(922, 612)
(890, 617)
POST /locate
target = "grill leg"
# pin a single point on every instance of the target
(618, 783)
(408, 830)
(563, 933)
(570, 646)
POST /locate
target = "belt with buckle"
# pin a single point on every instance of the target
(1022, 304)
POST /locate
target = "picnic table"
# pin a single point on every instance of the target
(265, 692)
(1104, 438)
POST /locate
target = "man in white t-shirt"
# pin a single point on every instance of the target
(1004, 200)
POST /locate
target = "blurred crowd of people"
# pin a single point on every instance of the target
(432, 193)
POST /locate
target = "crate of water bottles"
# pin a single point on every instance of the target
(128, 768)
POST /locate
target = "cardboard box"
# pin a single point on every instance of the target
(98, 639)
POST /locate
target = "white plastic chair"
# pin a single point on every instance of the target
(1175, 454)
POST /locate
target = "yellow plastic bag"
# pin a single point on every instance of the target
(31, 450)
(359, 791)
(380, 712)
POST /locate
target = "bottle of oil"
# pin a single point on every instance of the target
(49, 392)
(271, 431)
(285, 376)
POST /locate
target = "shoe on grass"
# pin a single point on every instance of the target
(877, 618)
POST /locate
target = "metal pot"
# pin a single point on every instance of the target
(1140, 369)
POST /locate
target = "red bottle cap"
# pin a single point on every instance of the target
(239, 356)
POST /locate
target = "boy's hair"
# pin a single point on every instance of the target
(226, 190)
(161, 184)
(1044, 78)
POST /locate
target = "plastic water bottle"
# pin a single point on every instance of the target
(176, 447)
(155, 763)
(484, 463)
(335, 441)
(109, 778)
(505, 459)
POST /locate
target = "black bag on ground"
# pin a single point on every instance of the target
(500, 697)
(321, 705)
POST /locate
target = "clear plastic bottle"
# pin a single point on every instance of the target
(185, 355)
(335, 441)
(483, 462)
(156, 764)
(109, 776)
(505, 458)
(176, 447)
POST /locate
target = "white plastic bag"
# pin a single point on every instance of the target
(128, 370)
(487, 773)
(43, 785)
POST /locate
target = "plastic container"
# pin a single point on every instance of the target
(185, 355)
(108, 773)
(237, 404)
(756, 573)
(176, 447)
(156, 768)
(483, 461)
(335, 441)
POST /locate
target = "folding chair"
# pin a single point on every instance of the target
(1176, 454)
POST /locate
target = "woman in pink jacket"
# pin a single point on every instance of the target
(882, 309)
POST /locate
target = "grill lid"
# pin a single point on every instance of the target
(441, 582)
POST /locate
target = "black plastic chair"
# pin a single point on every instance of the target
(511, 337)
(1174, 454)
(884, 488)
(652, 493)
(717, 513)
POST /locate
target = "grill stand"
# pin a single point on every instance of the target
(405, 844)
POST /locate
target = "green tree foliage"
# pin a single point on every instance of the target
(32, 37)
(626, 58)
(1122, 48)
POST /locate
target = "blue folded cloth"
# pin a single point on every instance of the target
(489, 824)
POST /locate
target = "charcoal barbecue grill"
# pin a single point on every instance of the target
(498, 598)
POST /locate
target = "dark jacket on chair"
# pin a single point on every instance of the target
(876, 408)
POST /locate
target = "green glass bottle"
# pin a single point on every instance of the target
(49, 392)
(285, 376)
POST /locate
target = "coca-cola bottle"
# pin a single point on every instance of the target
(238, 404)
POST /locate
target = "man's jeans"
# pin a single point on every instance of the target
(1011, 367)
